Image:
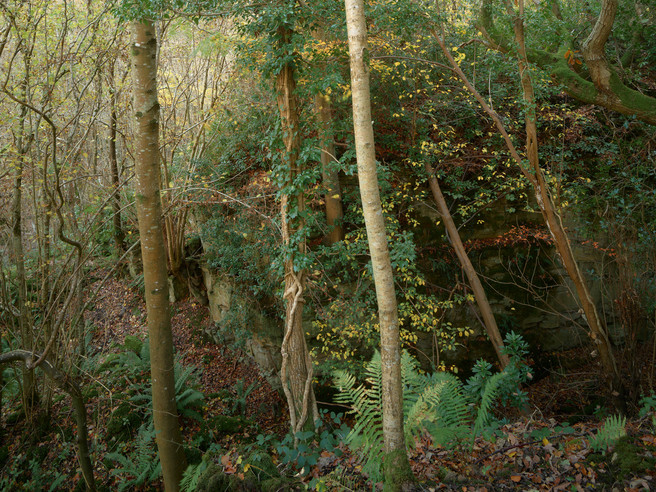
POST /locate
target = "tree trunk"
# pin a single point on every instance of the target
(29, 395)
(398, 474)
(333, 194)
(561, 240)
(149, 213)
(69, 386)
(296, 370)
(474, 282)
(535, 176)
(119, 235)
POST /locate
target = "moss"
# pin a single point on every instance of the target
(626, 461)
(623, 462)
(277, 484)
(398, 475)
(224, 424)
(632, 99)
(133, 344)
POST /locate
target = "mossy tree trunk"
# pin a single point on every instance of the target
(602, 86)
(398, 474)
(149, 213)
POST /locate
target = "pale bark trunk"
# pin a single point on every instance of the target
(397, 468)
(593, 49)
(296, 370)
(146, 106)
(474, 281)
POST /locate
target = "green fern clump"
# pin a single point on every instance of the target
(613, 429)
(435, 404)
(438, 403)
(139, 467)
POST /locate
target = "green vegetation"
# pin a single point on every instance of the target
(250, 256)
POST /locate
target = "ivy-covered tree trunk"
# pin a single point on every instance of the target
(484, 307)
(398, 474)
(296, 370)
(149, 213)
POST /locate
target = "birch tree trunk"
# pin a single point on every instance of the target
(398, 475)
(149, 214)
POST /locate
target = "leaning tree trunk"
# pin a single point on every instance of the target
(149, 214)
(474, 281)
(296, 370)
(561, 240)
(397, 468)
(535, 176)
(66, 384)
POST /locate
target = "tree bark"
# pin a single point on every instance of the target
(474, 281)
(330, 176)
(296, 370)
(561, 240)
(398, 474)
(69, 386)
(535, 176)
(119, 235)
(605, 88)
(149, 214)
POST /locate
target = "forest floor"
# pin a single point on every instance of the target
(547, 448)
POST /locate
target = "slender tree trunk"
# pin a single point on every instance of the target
(333, 195)
(296, 371)
(149, 213)
(597, 328)
(398, 474)
(25, 327)
(474, 282)
(119, 235)
(535, 176)
(66, 384)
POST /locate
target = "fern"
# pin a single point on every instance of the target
(490, 394)
(142, 464)
(614, 428)
(192, 475)
(434, 403)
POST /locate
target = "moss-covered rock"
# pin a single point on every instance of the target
(133, 344)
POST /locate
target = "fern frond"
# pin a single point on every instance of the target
(490, 393)
(614, 428)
